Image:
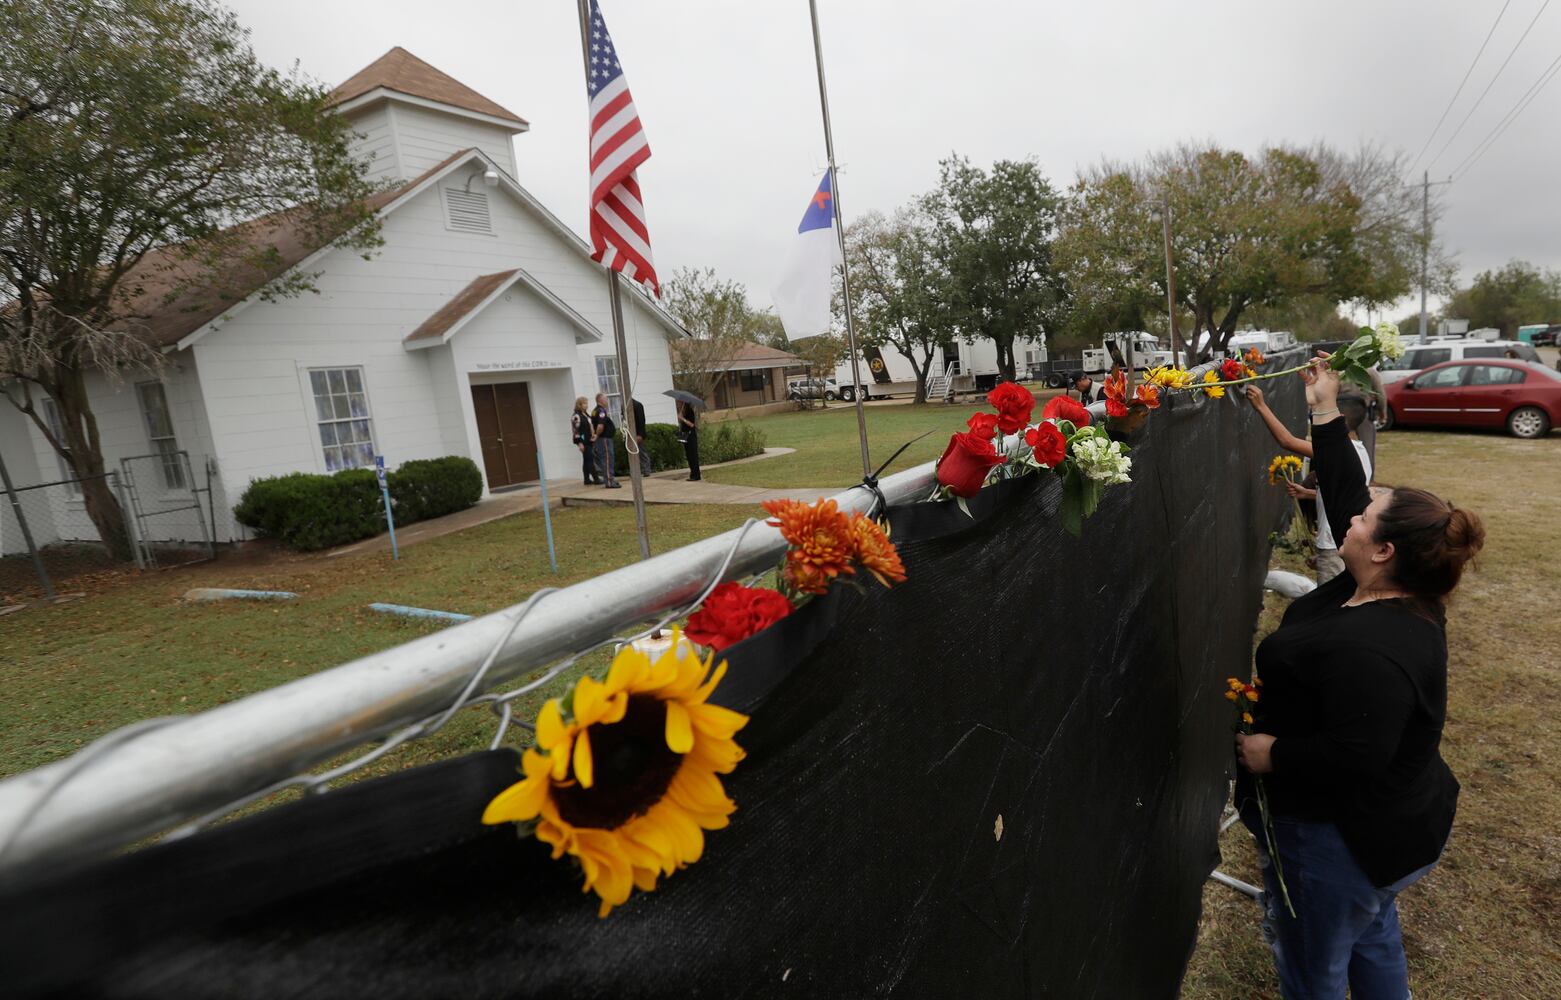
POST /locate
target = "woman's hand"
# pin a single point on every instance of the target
(1254, 396)
(1300, 492)
(1322, 384)
(1252, 750)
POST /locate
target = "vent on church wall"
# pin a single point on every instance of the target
(467, 211)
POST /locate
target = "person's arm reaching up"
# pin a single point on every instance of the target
(1281, 433)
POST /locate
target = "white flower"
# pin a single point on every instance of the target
(1013, 446)
(1387, 340)
(1102, 460)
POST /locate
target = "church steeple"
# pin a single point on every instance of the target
(412, 116)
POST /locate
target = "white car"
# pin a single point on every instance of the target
(1418, 357)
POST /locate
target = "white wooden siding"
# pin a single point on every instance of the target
(376, 142)
(425, 138)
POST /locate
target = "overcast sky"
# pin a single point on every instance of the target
(728, 96)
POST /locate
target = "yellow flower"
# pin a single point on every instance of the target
(1213, 391)
(1246, 717)
(1168, 377)
(1230, 696)
(628, 784)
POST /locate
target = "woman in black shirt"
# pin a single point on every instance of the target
(1354, 699)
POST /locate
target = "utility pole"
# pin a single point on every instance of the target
(1170, 286)
(1425, 242)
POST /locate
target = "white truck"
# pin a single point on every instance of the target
(956, 368)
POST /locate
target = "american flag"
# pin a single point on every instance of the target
(618, 231)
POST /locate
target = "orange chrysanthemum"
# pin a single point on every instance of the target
(875, 552)
(822, 542)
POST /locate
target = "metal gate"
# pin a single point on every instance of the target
(169, 522)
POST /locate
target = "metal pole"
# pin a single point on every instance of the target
(209, 760)
(384, 492)
(1170, 287)
(840, 231)
(547, 515)
(615, 298)
(27, 535)
(636, 480)
(1425, 243)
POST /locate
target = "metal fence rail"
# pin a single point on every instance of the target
(176, 770)
(47, 538)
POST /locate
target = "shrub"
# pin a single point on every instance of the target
(307, 511)
(432, 487)
(661, 440)
(729, 440)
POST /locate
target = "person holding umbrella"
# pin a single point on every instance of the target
(688, 428)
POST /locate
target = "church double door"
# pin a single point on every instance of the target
(505, 429)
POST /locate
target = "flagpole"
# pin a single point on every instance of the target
(840, 231)
(615, 299)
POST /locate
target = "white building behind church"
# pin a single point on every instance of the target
(469, 332)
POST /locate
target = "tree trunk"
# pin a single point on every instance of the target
(1005, 361)
(85, 454)
(921, 375)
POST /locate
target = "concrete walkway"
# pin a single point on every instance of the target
(670, 487)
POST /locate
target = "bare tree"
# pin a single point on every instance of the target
(136, 138)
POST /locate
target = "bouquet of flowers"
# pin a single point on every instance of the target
(1287, 469)
(1246, 698)
(1005, 445)
(1353, 362)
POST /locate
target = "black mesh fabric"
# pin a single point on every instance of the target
(1002, 778)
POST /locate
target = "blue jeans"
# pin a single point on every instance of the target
(1345, 930)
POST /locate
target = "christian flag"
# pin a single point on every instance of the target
(802, 298)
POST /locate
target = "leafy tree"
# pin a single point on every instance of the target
(992, 235)
(901, 291)
(1247, 233)
(1310, 317)
(717, 313)
(136, 135)
(1516, 295)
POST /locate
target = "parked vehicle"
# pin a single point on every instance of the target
(960, 367)
(1540, 334)
(1140, 349)
(1418, 357)
(1524, 398)
(812, 388)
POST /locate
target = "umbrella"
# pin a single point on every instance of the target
(686, 397)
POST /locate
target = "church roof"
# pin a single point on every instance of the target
(472, 299)
(404, 73)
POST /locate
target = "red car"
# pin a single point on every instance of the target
(1524, 398)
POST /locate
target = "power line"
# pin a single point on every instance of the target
(1511, 116)
(1488, 86)
(1465, 80)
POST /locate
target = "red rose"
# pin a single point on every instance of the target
(984, 424)
(966, 462)
(1231, 369)
(1048, 444)
(1063, 408)
(733, 612)
(1013, 403)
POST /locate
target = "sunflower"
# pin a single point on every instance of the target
(1214, 391)
(627, 783)
(875, 552)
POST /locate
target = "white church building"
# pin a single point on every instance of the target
(469, 332)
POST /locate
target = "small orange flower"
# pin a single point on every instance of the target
(822, 542)
(1230, 696)
(1234, 684)
(875, 552)
(1254, 356)
(1148, 394)
(1246, 717)
(1252, 693)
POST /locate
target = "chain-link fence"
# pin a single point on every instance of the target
(171, 521)
(49, 543)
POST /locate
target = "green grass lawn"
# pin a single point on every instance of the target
(135, 650)
(827, 449)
